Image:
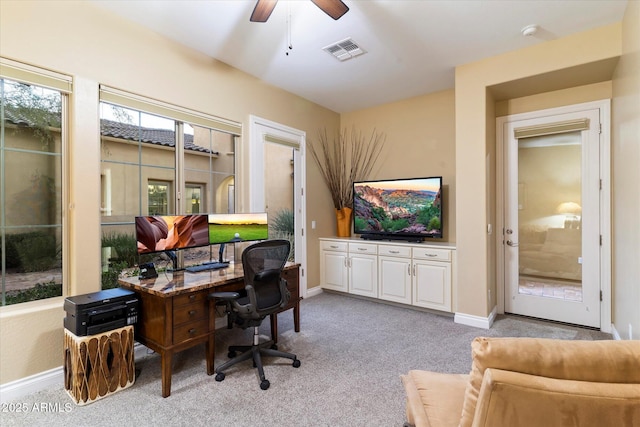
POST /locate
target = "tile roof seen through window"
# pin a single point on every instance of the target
(163, 137)
(129, 132)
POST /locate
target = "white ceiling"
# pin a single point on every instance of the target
(412, 46)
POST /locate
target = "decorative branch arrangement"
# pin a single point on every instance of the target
(344, 160)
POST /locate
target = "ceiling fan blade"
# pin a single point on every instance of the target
(262, 10)
(333, 8)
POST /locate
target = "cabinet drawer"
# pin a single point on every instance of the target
(363, 248)
(190, 298)
(334, 246)
(400, 251)
(190, 330)
(432, 254)
(187, 313)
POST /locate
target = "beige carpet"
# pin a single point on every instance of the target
(352, 352)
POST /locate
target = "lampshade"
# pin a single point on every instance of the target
(569, 208)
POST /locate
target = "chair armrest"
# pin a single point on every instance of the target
(227, 296)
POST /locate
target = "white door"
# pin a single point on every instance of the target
(552, 219)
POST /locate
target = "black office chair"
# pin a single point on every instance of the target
(266, 293)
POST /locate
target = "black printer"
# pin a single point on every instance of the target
(102, 311)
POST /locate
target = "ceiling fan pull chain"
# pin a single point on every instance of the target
(289, 44)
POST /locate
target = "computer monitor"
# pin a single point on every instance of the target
(236, 227)
(165, 233)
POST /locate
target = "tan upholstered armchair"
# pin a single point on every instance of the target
(532, 382)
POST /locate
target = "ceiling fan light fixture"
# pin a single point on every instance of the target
(344, 49)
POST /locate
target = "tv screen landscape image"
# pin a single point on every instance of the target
(229, 228)
(170, 232)
(398, 209)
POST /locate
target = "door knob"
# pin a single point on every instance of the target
(512, 243)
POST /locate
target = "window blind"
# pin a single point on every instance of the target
(29, 74)
(552, 128)
(160, 108)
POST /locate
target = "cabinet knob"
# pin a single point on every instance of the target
(192, 312)
(192, 331)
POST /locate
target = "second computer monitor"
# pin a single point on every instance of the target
(230, 228)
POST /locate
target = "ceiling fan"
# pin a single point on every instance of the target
(333, 8)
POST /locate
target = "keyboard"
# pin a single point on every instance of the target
(207, 266)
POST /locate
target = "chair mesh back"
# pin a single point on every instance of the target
(262, 264)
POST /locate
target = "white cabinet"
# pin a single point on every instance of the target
(363, 269)
(418, 274)
(394, 272)
(333, 265)
(349, 267)
(432, 278)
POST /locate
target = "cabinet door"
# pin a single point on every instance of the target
(432, 285)
(363, 275)
(395, 279)
(333, 270)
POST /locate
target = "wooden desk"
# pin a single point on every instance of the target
(176, 314)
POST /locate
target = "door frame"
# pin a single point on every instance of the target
(258, 130)
(604, 107)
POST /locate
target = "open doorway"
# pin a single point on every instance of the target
(277, 179)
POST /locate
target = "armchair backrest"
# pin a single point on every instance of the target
(262, 263)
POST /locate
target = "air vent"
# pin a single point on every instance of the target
(344, 49)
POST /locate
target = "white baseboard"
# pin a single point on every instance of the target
(314, 291)
(614, 333)
(476, 321)
(32, 384)
(48, 379)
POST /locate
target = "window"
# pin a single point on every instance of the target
(158, 198)
(32, 143)
(158, 159)
(194, 195)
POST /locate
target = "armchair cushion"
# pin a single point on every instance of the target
(515, 399)
(593, 361)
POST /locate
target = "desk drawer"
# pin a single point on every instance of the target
(190, 298)
(190, 312)
(190, 330)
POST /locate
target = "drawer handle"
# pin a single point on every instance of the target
(362, 249)
(192, 331)
(333, 247)
(192, 297)
(192, 312)
(431, 255)
(394, 252)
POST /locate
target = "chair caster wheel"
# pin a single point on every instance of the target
(231, 354)
(264, 384)
(220, 376)
(296, 363)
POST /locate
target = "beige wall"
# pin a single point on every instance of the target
(94, 46)
(626, 178)
(436, 126)
(478, 86)
(420, 142)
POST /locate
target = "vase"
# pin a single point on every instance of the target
(343, 220)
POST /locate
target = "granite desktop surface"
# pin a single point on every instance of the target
(172, 283)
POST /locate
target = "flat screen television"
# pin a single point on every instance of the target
(398, 209)
(236, 227)
(160, 233)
